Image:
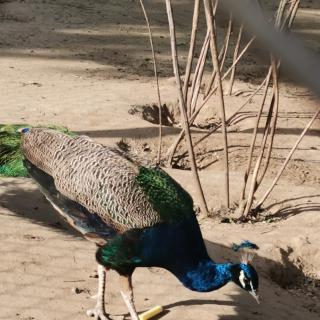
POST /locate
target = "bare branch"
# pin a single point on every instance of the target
(274, 120)
(269, 125)
(274, 182)
(157, 81)
(222, 55)
(280, 22)
(173, 147)
(191, 49)
(293, 13)
(214, 54)
(226, 43)
(285, 46)
(197, 77)
(235, 55)
(254, 136)
(229, 120)
(194, 170)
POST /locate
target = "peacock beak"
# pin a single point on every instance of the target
(255, 295)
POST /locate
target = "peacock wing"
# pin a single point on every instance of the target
(166, 195)
(87, 223)
(104, 180)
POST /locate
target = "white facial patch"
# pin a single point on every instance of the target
(241, 279)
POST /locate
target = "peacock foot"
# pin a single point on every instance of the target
(98, 313)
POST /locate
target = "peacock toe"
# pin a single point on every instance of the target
(98, 313)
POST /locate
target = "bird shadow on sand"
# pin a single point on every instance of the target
(198, 302)
(278, 278)
(277, 281)
(182, 303)
(137, 133)
(22, 199)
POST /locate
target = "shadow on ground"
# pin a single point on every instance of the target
(29, 204)
(145, 132)
(113, 33)
(24, 200)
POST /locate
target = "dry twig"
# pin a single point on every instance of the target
(274, 182)
(230, 118)
(222, 55)
(235, 55)
(157, 81)
(195, 20)
(270, 125)
(280, 23)
(197, 78)
(214, 54)
(194, 170)
(173, 147)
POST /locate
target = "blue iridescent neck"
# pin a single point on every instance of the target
(206, 276)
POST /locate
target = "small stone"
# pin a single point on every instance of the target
(76, 290)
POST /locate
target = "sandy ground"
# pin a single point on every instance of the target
(82, 64)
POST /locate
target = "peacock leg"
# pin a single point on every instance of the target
(127, 295)
(99, 312)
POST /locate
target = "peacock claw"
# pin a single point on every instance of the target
(98, 313)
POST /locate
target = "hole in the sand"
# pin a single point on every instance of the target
(204, 159)
(150, 113)
(292, 273)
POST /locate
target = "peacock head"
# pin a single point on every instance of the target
(246, 277)
(244, 274)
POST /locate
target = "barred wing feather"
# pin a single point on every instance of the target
(105, 181)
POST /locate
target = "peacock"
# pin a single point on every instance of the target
(137, 214)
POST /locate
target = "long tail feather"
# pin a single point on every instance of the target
(11, 157)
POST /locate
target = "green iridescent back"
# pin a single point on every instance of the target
(166, 195)
(11, 157)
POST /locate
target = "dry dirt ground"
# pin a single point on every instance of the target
(82, 64)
